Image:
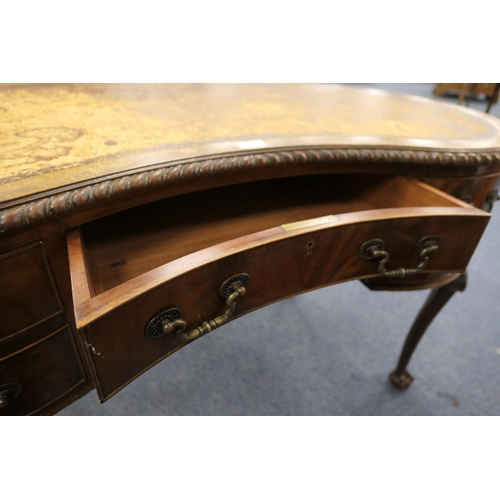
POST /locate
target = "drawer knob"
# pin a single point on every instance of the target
(8, 392)
(171, 322)
(374, 249)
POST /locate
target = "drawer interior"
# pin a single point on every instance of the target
(120, 247)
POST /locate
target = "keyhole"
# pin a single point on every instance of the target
(310, 247)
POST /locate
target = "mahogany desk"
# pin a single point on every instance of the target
(136, 218)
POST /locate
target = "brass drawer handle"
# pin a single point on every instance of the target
(8, 392)
(374, 249)
(171, 322)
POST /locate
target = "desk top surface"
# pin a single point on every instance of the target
(52, 136)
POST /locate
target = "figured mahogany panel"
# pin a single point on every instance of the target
(47, 371)
(27, 292)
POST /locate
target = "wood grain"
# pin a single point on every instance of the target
(128, 267)
(279, 265)
(123, 246)
(48, 370)
(27, 292)
(474, 190)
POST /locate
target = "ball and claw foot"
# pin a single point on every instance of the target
(401, 380)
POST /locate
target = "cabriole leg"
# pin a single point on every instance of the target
(438, 297)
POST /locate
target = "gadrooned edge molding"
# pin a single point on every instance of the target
(47, 207)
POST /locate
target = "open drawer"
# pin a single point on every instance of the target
(148, 280)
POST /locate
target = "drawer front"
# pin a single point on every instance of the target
(476, 191)
(36, 378)
(27, 292)
(280, 263)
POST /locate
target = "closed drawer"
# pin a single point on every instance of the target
(132, 271)
(28, 295)
(34, 379)
(477, 191)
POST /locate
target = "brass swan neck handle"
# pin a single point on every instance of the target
(171, 321)
(178, 326)
(374, 249)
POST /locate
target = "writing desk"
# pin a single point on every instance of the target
(136, 218)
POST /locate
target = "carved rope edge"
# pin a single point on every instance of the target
(25, 214)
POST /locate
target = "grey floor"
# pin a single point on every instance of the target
(329, 352)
